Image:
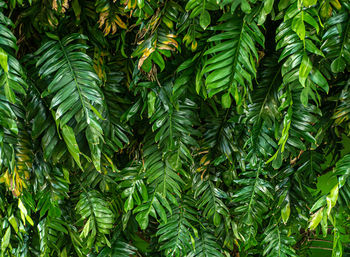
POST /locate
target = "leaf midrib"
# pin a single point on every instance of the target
(235, 60)
(345, 36)
(75, 80)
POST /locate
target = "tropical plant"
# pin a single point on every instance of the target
(194, 128)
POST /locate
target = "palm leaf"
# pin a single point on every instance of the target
(210, 199)
(95, 210)
(174, 236)
(206, 244)
(74, 84)
(336, 40)
(232, 66)
(277, 242)
(12, 78)
(263, 112)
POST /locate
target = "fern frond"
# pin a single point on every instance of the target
(297, 37)
(53, 187)
(251, 202)
(336, 40)
(298, 130)
(263, 113)
(150, 49)
(206, 244)
(342, 112)
(104, 181)
(161, 172)
(255, 194)
(156, 206)
(74, 86)
(116, 132)
(173, 124)
(110, 16)
(51, 231)
(118, 247)
(222, 135)
(12, 77)
(323, 206)
(277, 242)
(210, 198)
(232, 66)
(132, 186)
(175, 236)
(310, 164)
(95, 210)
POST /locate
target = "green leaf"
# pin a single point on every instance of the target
(232, 63)
(76, 9)
(142, 220)
(3, 60)
(245, 6)
(86, 229)
(316, 219)
(318, 204)
(338, 65)
(52, 36)
(93, 138)
(175, 236)
(226, 100)
(304, 96)
(5, 241)
(204, 19)
(317, 77)
(285, 212)
(298, 26)
(308, 3)
(13, 222)
(71, 142)
(332, 199)
(304, 69)
(283, 4)
(217, 219)
(326, 182)
(309, 19)
(72, 83)
(93, 208)
(278, 242)
(151, 99)
(158, 59)
(310, 46)
(277, 160)
(129, 204)
(140, 3)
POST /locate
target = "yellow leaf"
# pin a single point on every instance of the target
(114, 28)
(170, 41)
(120, 22)
(107, 30)
(165, 47)
(194, 45)
(144, 56)
(203, 159)
(102, 18)
(336, 4)
(316, 219)
(171, 35)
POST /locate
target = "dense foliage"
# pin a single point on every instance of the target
(199, 128)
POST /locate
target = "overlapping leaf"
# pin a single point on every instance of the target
(76, 95)
(231, 67)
